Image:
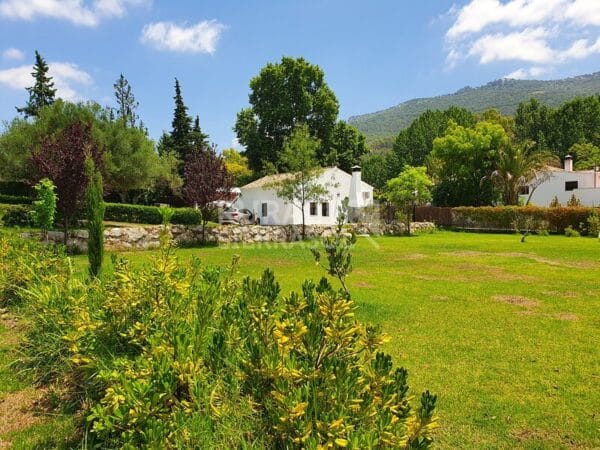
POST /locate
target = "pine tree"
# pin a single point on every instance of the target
(42, 92)
(198, 138)
(94, 207)
(126, 102)
(181, 137)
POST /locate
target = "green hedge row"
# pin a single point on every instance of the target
(19, 215)
(503, 217)
(15, 199)
(121, 212)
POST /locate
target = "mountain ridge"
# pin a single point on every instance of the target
(503, 94)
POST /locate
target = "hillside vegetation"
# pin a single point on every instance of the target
(503, 95)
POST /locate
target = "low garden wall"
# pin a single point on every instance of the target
(147, 237)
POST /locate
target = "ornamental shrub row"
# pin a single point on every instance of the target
(19, 214)
(15, 199)
(121, 212)
(504, 217)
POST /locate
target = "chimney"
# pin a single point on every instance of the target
(355, 198)
(568, 165)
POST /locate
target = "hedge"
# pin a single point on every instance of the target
(15, 199)
(15, 215)
(17, 188)
(503, 217)
(121, 212)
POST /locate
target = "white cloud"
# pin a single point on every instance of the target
(78, 12)
(199, 38)
(528, 45)
(13, 53)
(67, 77)
(522, 74)
(544, 33)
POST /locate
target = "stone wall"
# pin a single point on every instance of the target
(147, 237)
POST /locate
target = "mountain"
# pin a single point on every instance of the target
(503, 95)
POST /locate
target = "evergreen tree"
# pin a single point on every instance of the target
(94, 207)
(42, 92)
(181, 135)
(198, 138)
(126, 102)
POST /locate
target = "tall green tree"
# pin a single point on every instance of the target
(237, 166)
(301, 185)
(181, 133)
(42, 92)
(460, 160)
(587, 156)
(197, 137)
(283, 96)
(414, 144)
(408, 190)
(94, 212)
(44, 207)
(346, 148)
(126, 102)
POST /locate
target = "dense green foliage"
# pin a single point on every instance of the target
(408, 190)
(283, 96)
(44, 207)
(503, 95)
(461, 159)
(176, 356)
(414, 144)
(559, 129)
(15, 200)
(42, 92)
(554, 219)
(121, 212)
(94, 214)
(126, 102)
(16, 215)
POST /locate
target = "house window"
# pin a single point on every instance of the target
(313, 208)
(264, 210)
(366, 195)
(325, 209)
(571, 185)
(524, 190)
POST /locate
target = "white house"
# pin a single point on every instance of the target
(563, 183)
(272, 210)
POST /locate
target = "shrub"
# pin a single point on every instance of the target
(24, 263)
(120, 212)
(44, 208)
(16, 215)
(15, 199)
(555, 203)
(182, 356)
(593, 223)
(570, 232)
(574, 201)
(16, 188)
(504, 217)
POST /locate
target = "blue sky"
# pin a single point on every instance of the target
(374, 54)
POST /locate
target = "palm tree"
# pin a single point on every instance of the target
(518, 166)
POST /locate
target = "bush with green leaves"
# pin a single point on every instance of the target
(44, 208)
(180, 355)
(593, 223)
(16, 215)
(571, 232)
(122, 212)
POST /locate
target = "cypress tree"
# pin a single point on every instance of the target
(95, 207)
(42, 92)
(181, 137)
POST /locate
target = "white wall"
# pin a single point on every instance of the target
(555, 186)
(280, 213)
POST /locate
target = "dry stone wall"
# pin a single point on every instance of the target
(147, 237)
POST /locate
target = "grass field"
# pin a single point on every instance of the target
(506, 333)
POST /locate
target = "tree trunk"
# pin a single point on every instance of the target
(65, 231)
(303, 225)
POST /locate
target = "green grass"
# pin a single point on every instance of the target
(506, 333)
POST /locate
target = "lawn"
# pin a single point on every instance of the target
(505, 332)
